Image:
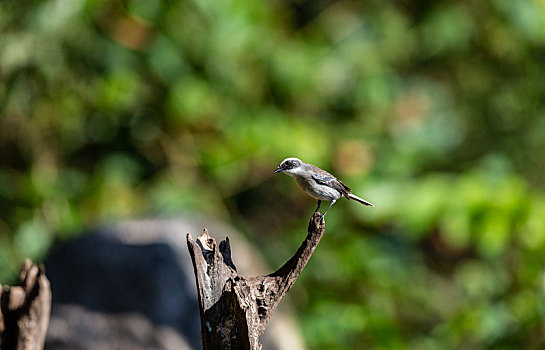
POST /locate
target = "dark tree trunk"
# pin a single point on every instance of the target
(24, 310)
(235, 309)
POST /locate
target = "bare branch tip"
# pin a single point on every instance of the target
(225, 245)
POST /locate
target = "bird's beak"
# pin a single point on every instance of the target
(279, 169)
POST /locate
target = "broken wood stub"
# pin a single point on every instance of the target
(24, 310)
(235, 309)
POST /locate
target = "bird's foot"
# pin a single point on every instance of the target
(317, 217)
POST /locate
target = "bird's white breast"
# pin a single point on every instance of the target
(316, 190)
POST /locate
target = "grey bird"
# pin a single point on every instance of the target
(317, 183)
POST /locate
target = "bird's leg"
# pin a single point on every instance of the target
(318, 207)
(332, 202)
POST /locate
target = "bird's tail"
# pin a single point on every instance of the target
(358, 199)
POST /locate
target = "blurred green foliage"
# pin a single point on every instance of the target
(432, 110)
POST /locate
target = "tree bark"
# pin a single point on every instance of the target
(235, 309)
(24, 310)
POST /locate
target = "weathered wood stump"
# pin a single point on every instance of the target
(24, 310)
(235, 309)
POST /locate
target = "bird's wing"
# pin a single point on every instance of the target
(325, 178)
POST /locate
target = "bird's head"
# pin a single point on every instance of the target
(289, 166)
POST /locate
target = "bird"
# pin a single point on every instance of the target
(317, 183)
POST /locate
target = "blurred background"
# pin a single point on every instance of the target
(432, 110)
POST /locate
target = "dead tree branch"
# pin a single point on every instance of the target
(235, 309)
(24, 310)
